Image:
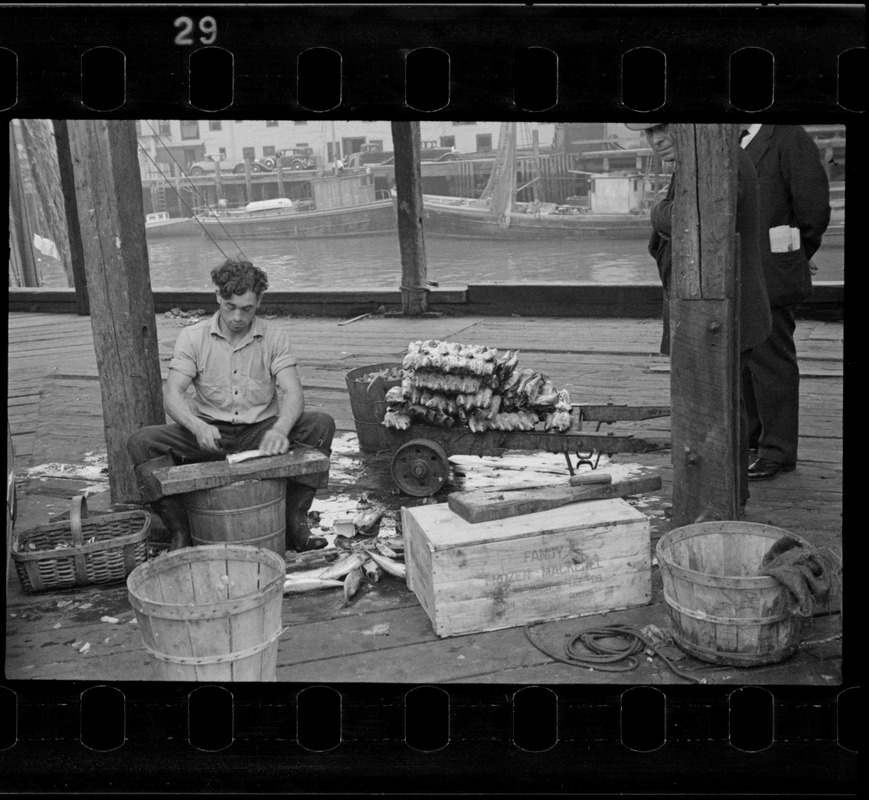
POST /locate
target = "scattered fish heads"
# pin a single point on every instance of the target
(394, 568)
(351, 585)
(342, 566)
(394, 543)
(366, 520)
(372, 571)
(295, 586)
(384, 549)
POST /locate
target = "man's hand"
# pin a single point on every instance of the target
(813, 267)
(274, 443)
(208, 437)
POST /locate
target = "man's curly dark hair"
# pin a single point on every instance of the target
(236, 276)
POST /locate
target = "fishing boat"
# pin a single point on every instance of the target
(345, 204)
(617, 206)
(159, 224)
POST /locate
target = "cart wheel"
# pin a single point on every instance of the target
(420, 467)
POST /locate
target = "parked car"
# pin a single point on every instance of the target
(368, 155)
(295, 158)
(237, 167)
(387, 158)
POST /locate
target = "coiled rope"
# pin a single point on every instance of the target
(609, 649)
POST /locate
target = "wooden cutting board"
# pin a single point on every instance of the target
(486, 505)
(212, 474)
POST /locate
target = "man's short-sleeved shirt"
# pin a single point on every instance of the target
(233, 383)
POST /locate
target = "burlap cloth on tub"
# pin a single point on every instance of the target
(804, 571)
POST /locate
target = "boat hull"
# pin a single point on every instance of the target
(369, 218)
(185, 226)
(479, 223)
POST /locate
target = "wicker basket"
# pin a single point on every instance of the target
(81, 551)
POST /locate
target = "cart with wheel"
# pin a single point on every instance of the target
(420, 463)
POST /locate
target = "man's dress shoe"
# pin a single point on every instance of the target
(763, 469)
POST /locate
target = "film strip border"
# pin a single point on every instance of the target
(370, 739)
(481, 62)
(369, 62)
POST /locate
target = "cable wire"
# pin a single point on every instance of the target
(599, 655)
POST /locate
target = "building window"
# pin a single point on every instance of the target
(268, 150)
(271, 123)
(189, 155)
(248, 153)
(222, 152)
(448, 141)
(164, 127)
(484, 142)
(215, 125)
(189, 129)
(302, 144)
(300, 122)
(428, 145)
(138, 127)
(464, 123)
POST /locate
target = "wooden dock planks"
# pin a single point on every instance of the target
(603, 360)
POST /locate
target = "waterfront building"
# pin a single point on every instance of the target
(186, 141)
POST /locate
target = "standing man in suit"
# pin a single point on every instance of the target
(754, 314)
(794, 204)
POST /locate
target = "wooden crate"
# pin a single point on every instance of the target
(585, 558)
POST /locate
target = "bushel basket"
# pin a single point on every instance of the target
(81, 551)
(368, 402)
(721, 609)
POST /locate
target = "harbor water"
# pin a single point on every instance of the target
(374, 261)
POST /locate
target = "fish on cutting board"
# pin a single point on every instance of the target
(246, 455)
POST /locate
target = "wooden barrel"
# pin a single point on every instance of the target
(721, 610)
(368, 404)
(210, 613)
(249, 512)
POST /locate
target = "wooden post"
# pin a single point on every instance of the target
(247, 180)
(535, 142)
(67, 187)
(176, 182)
(112, 223)
(280, 171)
(22, 236)
(408, 186)
(218, 188)
(704, 329)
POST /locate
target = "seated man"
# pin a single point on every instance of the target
(234, 360)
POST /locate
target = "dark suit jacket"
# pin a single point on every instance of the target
(794, 191)
(754, 315)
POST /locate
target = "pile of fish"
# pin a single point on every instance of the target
(447, 384)
(363, 559)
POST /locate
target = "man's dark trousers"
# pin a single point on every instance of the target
(771, 385)
(155, 442)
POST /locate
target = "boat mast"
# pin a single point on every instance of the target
(334, 148)
(500, 191)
